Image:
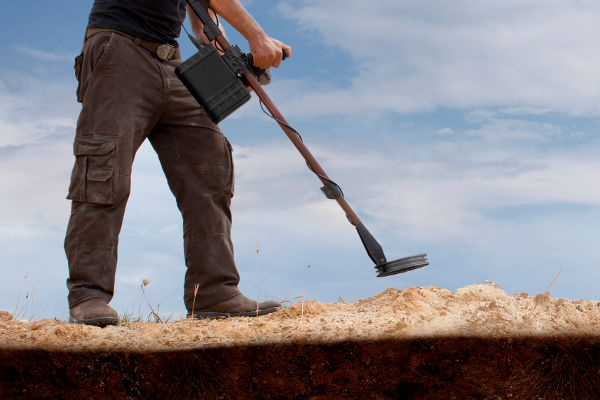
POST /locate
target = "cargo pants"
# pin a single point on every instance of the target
(128, 94)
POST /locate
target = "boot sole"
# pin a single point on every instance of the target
(219, 315)
(100, 321)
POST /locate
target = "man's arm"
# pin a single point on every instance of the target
(266, 51)
(198, 26)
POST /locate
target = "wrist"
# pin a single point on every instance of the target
(257, 37)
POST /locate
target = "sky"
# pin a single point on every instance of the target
(467, 130)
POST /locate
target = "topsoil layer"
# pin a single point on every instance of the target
(416, 343)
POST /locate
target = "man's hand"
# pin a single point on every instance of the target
(267, 51)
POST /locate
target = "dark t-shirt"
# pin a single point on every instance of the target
(155, 20)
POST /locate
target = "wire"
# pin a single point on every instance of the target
(218, 47)
(180, 20)
(198, 43)
(277, 120)
(213, 10)
(307, 164)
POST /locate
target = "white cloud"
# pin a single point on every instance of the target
(419, 55)
(36, 131)
(45, 55)
(514, 129)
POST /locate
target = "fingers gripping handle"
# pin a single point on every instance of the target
(284, 55)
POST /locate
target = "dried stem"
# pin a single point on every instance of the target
(548, 287)
(19, 297)
(258, 267)
(553, 280)
(293, 298)
(145, 282)
(286, 296)
(258, 295)
(194, 303)
(266, 286)
(34, 283)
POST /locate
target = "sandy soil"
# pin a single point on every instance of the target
(415, 343)
(481, 310)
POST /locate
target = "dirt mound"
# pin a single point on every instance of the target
(427, 342)
(480, 310)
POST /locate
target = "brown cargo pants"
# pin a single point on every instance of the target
(128, 94)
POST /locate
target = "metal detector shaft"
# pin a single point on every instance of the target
(293, 136)
(331, 190)
(310, 159)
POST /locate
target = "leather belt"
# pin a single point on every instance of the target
(163, 51)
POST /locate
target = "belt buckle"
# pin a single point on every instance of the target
(165, 52)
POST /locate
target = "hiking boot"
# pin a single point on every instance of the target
(237, 306)
(93, 312)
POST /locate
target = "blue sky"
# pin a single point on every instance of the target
(464, 129)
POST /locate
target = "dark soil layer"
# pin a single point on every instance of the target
(419, 368)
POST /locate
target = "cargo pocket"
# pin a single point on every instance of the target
(93, 179)
(230, 185)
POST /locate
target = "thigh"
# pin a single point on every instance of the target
(121, 92)
(121, 86)
(196, 159)
(194, 154)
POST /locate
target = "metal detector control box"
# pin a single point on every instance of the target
(212, 83)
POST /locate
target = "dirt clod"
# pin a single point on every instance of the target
(5, 316)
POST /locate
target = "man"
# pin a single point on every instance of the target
(129, 92)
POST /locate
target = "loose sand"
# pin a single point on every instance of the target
(476, 310)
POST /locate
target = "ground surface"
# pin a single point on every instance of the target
(416, 343)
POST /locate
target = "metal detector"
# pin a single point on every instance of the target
(218, 82)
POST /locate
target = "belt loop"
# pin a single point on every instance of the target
(137, 41)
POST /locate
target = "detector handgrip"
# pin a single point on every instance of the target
(284, 55)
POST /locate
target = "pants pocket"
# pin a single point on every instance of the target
(77, 67)
(102, 51)
(95, 57)
(230, 185)
(94, 179)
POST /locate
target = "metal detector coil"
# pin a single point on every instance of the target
(382, 265)
(401, 265)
